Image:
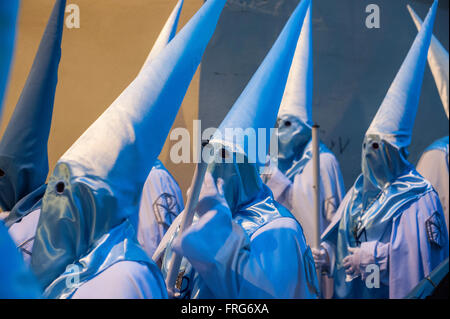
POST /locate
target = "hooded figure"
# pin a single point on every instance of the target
(292, 181)
(8, 17)
(243, 244)
(389, 231)
(161, 200)
(161, 196)
(23, 147)
(86, 233)
(16, 279)
(434, 162)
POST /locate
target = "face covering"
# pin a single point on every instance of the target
(293, 136)
(241, 180)
(381, 164)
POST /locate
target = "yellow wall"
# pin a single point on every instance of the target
(98, 61)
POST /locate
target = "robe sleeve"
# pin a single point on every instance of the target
(267, 265)
(161, 203)
(332, 185)
(298, 196)
(23, 233)
(375, 252)
(123, 280)
(419, 243)
(331, 193)
(330, 249)
(281, 188)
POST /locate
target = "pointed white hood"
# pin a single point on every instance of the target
(394, 120)
(297, 98)
(167, 33)
(258, 105)
(438, 62)
(23, 147)
(97, 184)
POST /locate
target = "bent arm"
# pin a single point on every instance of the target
(269, 265)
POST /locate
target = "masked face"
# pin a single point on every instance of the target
(381, 163)
(293, 136)
(241, 180)
(74, 216)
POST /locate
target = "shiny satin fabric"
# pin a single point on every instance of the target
(438, 62)
(119, 244)
(241, 180)
(23, 147)
(387, 182)
(381, 163)
(251, 218)
(244, 191)
(261, 211)
(293, 137)
(297, 166)
(269, 241)
(394, 120)
(16, 280)
(97, 184)
(371, 224)
(257, 106)
(25, 206)
(77, 226)
(76, 213)
(252, 207)
(8, 16)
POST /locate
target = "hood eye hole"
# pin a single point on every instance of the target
(2, 173)
(223, 153)
(287, 123)
(205, 142)
(375, 145)
(60, 187)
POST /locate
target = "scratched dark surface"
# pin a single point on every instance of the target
(353, 67)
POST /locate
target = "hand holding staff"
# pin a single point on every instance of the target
(186, 221)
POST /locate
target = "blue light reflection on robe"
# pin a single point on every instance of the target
(404, 229)
(96, 185)
(16, 280)
(259, 252)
